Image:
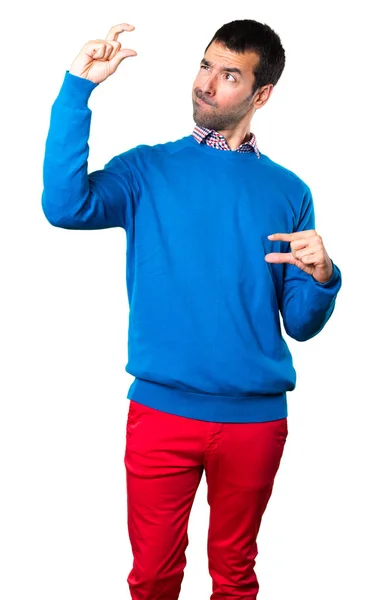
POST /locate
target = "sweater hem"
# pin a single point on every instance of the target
(209, 407)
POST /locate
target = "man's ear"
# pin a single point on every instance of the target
(263, 95)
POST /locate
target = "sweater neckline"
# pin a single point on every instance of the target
(225, 154)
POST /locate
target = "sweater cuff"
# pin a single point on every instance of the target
(75, 91)
(334, 283)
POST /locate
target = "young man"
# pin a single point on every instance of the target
(220, 240)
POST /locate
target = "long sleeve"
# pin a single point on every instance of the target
(72, 198)
(306, 305)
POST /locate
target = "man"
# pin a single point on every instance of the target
(220, 240)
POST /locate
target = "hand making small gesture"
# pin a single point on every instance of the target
(99, 59)
(307, 252)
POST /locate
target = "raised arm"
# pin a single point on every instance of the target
(72, 198)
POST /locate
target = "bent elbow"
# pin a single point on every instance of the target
(300, 334)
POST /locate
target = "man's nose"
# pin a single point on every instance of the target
(209, 85)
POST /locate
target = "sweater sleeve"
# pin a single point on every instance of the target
(306, 305)
(72, 198)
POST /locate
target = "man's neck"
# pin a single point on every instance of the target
(235, 139)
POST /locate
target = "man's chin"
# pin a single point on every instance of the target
(202, 124)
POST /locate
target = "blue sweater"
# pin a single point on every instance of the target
(205, 338)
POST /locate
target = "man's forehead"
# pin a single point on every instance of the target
(230, 61)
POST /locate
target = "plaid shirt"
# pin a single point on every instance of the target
(212, 138)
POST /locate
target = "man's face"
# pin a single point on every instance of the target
(226, 95)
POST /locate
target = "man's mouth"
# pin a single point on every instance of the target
(200, 101)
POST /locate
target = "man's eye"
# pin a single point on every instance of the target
(204, 67)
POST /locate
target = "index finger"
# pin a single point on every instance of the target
(117, 29)
(290, 237)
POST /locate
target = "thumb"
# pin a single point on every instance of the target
(119, 57)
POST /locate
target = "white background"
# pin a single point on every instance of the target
(64, 310)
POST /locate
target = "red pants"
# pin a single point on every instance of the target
(164, 459)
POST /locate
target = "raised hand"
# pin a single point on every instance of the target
(99, 59)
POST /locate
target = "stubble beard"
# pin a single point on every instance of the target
(206, 116)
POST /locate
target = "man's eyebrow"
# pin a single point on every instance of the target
(227, 69)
